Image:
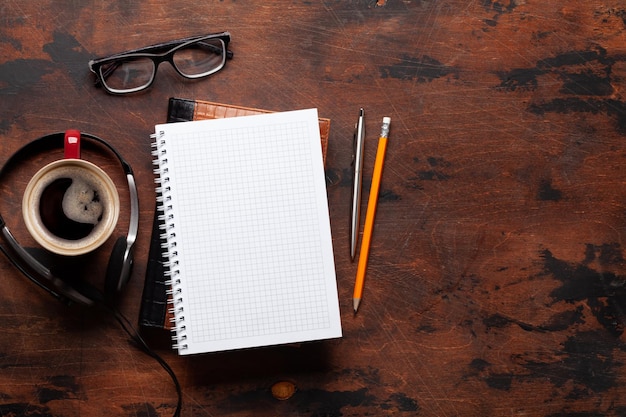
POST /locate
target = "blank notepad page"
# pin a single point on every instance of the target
(246, 216)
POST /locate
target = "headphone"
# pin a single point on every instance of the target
(69, 289)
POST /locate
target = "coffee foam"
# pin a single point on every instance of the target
(81, 202)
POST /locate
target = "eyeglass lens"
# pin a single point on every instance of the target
(195, 60)
(128, 74)
(200, 58)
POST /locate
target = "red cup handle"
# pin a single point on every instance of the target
(72, 144)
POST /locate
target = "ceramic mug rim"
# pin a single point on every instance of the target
(32, 197)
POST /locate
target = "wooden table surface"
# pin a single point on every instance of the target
(496, 277)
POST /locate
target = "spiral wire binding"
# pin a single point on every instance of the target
(168, 238)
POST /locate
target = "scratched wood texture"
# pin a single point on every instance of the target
(497, 272)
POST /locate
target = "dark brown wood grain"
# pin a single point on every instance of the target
(496, 278)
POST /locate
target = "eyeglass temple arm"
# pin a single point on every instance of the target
(160, 46)
(167, 46)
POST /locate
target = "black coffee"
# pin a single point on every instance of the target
(55, 218)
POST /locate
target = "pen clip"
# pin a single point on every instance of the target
(355, 138)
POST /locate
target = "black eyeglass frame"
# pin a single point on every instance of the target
(154, 52)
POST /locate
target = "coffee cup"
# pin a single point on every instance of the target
(71, 206)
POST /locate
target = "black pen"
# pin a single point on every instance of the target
(359, 138)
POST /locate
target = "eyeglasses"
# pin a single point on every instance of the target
(135, 70)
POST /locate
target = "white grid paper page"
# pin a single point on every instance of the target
(250, 217)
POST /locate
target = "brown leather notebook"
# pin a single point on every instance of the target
(154, 312)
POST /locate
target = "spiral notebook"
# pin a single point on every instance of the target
(154, 312)
(249, 249)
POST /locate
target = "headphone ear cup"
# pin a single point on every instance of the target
(114, 279)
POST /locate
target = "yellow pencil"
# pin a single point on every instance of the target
(371, 213)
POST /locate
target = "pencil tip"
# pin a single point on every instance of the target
(355, 303)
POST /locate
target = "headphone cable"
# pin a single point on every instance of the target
(143, 346)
